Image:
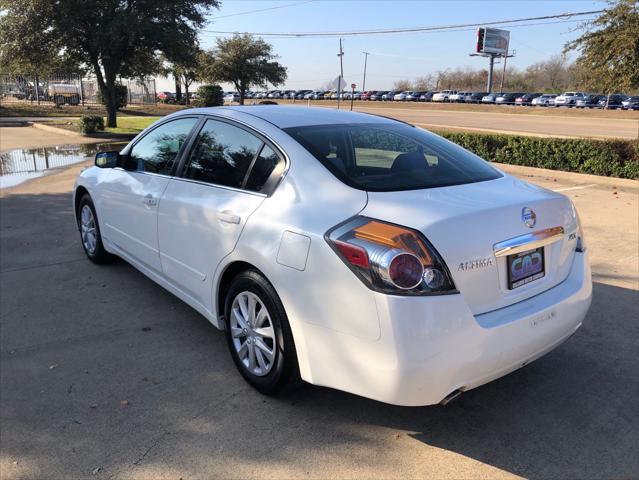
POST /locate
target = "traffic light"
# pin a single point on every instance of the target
(481, 32)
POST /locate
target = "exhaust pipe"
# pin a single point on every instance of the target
(450, 397)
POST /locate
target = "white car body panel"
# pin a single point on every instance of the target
(443, 96)
(401, 350)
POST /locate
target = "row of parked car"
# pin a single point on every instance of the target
(567, 99)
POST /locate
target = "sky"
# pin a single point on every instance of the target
(312, 62)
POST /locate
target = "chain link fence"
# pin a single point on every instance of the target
(68, 90)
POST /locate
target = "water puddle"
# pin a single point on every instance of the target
(17, 166)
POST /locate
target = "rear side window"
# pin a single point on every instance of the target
(391, 157)
(268, 165)
(157, 150)
(222, 155)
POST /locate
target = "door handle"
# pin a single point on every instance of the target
(150, 201)
(228, 217)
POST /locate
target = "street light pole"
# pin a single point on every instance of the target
(341, 73)
(366, 54)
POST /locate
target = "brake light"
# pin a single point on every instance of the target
(390, 258)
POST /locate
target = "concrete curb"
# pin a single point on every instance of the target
(60, 131)
(100, 136)
(581, 178)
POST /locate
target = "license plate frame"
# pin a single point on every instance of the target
(533, 264)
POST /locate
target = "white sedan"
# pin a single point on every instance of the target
(344, 249)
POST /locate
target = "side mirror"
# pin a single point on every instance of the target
(107, 159)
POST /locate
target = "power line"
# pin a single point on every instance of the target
(532, 24)
(567, 15)
(248, 12)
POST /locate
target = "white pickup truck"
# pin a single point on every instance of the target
(444, 95)
(568, 99)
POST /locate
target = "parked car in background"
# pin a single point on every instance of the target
(388, 96)
(568, 99)
(457, 97)
(490, 98)
(377, 96)
(406, 270)
(427, 96)
(630, 103)
(368, 94)
(507, 98)
(545, 100)
(232, 97)
(526, 98)
(612, 102)
(474, 97)
(401, 97)
(414, 96)
(443, 96)
(589, 101)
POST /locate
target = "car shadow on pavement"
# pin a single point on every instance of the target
(103, 369)
(570, 414)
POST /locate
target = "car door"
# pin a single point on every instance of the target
(130, 195)
(227, 175)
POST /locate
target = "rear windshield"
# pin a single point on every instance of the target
(391, 157)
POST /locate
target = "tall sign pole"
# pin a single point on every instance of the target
(341, 73)
(489, 84)
(366, 54)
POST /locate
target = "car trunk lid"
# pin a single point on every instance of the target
(467, 224)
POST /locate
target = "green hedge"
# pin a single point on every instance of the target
(612, 158)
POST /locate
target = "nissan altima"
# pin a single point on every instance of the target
(343, 249)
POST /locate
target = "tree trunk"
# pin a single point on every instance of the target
(178, 89)
(242, 93)
(186, 93)
(112, 106)
(106, 84)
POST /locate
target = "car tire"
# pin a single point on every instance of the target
(90, 236)
(251, 336)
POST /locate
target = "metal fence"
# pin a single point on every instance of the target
(68, 89)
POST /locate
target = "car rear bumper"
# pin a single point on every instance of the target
(430, 347)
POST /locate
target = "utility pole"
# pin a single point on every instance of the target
(366, 54)
(341, 73)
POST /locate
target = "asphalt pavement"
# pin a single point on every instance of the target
(106, 375)
(573, 124)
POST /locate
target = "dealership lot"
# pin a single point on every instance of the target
(573, 124)
(106, 375)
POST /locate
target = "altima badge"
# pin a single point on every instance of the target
(475, 264)
(529, 217)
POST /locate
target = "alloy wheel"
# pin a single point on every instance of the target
(88, 230)
(252, 333)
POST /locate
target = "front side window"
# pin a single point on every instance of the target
(156, 152)
(391, 157)
(222, 155)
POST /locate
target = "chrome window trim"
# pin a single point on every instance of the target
(215, 185)
(528, 241)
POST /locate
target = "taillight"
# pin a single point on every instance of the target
(390, 258)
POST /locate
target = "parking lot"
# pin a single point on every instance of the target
(106, 375)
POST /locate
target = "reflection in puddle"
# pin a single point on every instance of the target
(19, 165)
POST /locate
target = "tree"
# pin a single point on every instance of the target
(609, 48)
(243, 61)
(402, 85)
(112, 38)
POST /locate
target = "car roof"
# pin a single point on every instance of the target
(284, 116)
